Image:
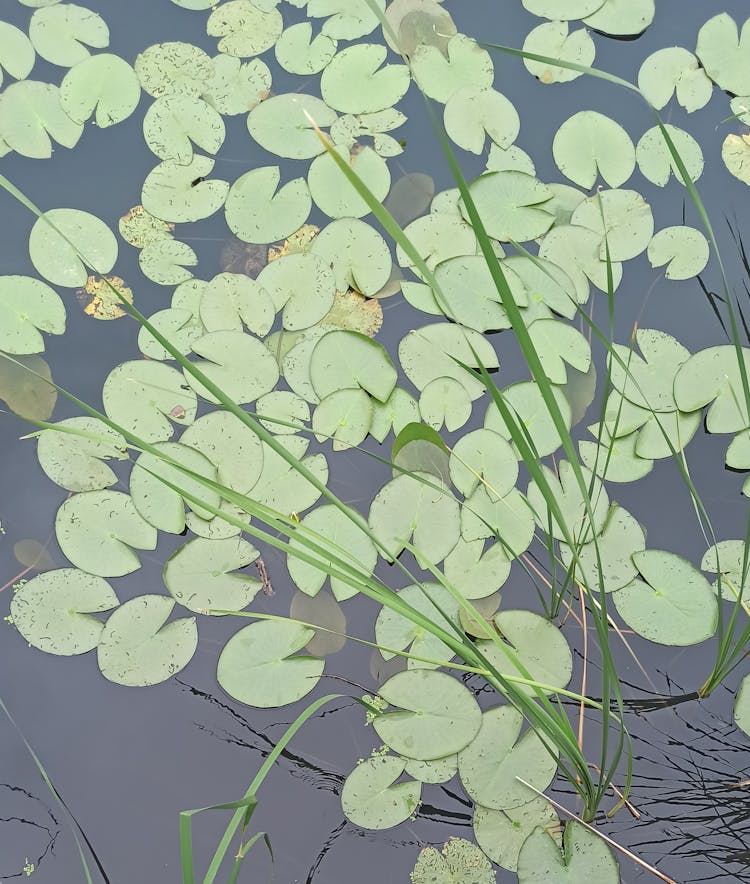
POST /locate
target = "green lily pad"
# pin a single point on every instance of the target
(334, 195)
(53, 611)
(511, 205)
(614, 460)
(501, 833)
(233, 448)
(346, 19)
(356, 253)
(570, 10)
(525, 401)
(281, 125)
(237, 363)
(17, 54)
(344, 417)
(585, 857)
(162, 506)
(460, 862)
(445, 401)
(406, 508)
(684, 251)
(713, 376)
(199, 575)
(354, 81)
(554, 40)
(27, 308)
(146, 398)
(260, 665)
(231, 301)
(742, 706)
(471, 113)
(178, 192)
(558, 345)
(172, 125)
(483, 457)
(508, 518)
(104, 83)
(674, 71)
(302, 286)
(282, 405)
(735, 151)
(440, 74)
(435, 715)
(96, 530)
(570, 501)
(430, 352)
(673, 604)
(236, 87)
(399, 410)
(31, 117)
(259, 211)
(62, 33)
(490, 765)
(344, 359)
(648, 381)
(537, 644)
(475, 572)
(298, 52)
(588, 145)
(622, 18)
(399, 632)
(724, 53)
(244, 29)
(438, 237)
(438, 771)
(137, 649)
(727, 559)
(280, 486)
(622, 218)
(173, 68)
(334, 526)
(577, 250)
(76, 463)
(371, 797)
(58, 239)
(165, 261)
(621, 538)
(655, 159)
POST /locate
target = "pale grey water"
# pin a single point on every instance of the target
(126, 761)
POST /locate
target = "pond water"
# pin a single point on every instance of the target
(126, 761)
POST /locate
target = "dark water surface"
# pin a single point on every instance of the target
(126, 761)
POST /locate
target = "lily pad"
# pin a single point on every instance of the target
(554, 40)
(511, 205)
(475, 572)
(460, 862)
(233, 300)
(237, 363)
(354, 81)
(655, 159)
(588, 145)
(673, 604)
(334, 195)
(260, 665)
(434, 716)
(17, 54)
(173, 68)
(585, 857)
(178, 192)
(344, 417)
(501, 833)
(61, 240)
(281, 125)
(576, 520)
(54, 611)
(97, 531)
(259, 211)
(724, 53)
(371, 797)
(27, 308)
(298, 52)
(440, 74)
(302, 286)
(77, 463)
(62, 33)
(674, 71)
(244, 29)
(345, 359)
(684, 251)
(137, 649)
(470, 113)
(490, 765)
(622, 218)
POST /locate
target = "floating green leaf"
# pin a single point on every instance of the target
(58, 239)
(571, 9)
(511, 205)
(137, 649)
(302, 286)
(347, 19)
(742, 706)
(231, 300)
(406, 507)
(103, 83)
(673, 604)
(146, 397)
(655, 158)
(27, 308)
(173, 68)
(725, 53)
(280, 486)
(54, 611)
(735, 151)
(435, 715)
(354, 81)
(684, 251)
(588, 145)
(344, 416)
(343, 359)
(674, 70)
(258, 211)
(165, 261)
(567, 493)
(178, 192)
(525, 400)
(622, 18)
(491, 764)
(236, 87)
(60, 34)
(75, 462)
(585, 857)
(554, 40)
(501, 833)
(440, 75)
(298, 52)
(245, 30)
(282, 126)
(483, 457)
(474, 572)
(622, 218)
(172, 125)
(713, 375)
(356, 253)
(260, 665)
(371, 797)
(471, 112)
(199, 574)
(17, 54)
(236, 362)
(335, 195)
(96, 530)
(460, 862)
(559, 344)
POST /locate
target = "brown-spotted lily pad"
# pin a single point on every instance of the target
(139, 227)
(355, 312)
(296, 243)
(100, 301)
